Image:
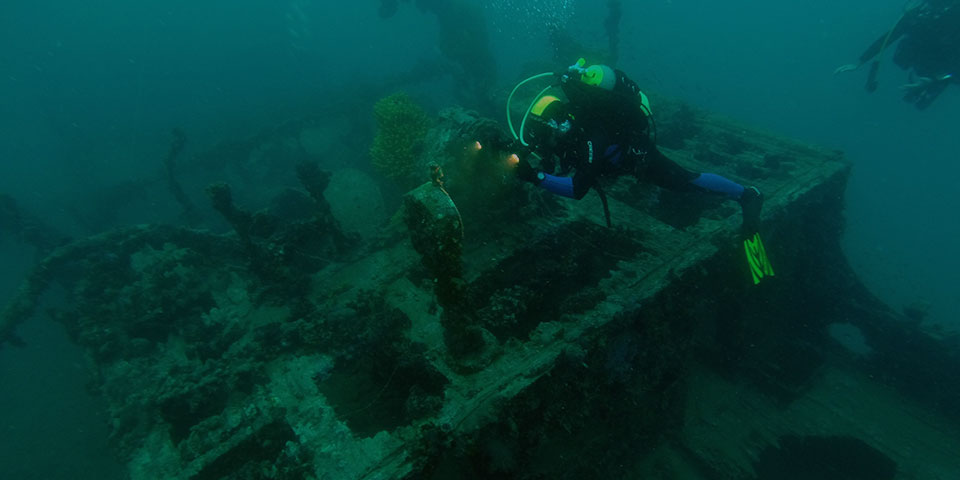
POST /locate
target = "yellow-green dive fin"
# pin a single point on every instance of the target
(757, 258)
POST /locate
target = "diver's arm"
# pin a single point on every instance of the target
(874, 49)
(571, 187)
(883, 41)
(574, 187)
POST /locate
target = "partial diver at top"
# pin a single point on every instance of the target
(929, 49)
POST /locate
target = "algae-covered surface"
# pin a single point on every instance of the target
(313, 325)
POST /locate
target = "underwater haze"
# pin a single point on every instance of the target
(92, 90)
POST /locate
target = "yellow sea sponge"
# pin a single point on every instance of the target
(401, 128)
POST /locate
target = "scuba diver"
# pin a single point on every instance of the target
(605, 128)
(929, 49)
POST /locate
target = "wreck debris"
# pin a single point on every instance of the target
(189, 213)
(315, 181)
(28, 228)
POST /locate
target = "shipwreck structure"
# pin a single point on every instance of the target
(492, 331)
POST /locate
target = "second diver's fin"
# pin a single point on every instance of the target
(760, 267)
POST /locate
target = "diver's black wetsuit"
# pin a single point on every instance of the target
(611, 136)
(929, 36)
